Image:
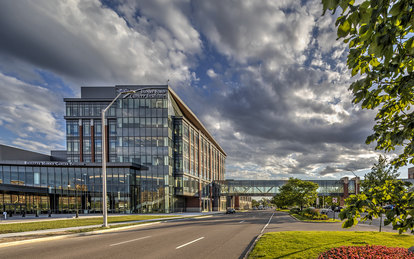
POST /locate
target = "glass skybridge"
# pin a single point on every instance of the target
(271, 187)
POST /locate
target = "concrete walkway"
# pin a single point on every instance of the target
(44, 217)
(50, 231)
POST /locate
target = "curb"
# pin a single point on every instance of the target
(246, 255)
(295, 218)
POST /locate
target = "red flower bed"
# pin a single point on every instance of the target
(367, 252)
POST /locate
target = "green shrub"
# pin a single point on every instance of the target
(310, 211)
(313, 214)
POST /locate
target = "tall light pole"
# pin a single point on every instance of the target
(104, 155)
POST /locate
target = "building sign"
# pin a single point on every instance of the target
(47, 163)
(146, 93)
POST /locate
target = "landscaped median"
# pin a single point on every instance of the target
(306, 219)
(67, 223)
(310, 244)
(310, 215)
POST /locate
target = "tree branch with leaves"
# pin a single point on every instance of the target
(380, 38)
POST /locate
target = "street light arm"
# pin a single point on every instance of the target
(104, 156)
(116, 98)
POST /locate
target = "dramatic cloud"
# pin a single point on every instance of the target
(30, 112)
(86, 42)
(267, 78)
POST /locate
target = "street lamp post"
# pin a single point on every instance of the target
(104, 155)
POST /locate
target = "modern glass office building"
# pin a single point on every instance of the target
(160, 158)
(154, 128)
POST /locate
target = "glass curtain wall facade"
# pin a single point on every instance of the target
(154, 128)
(144, 134)
(67, 187)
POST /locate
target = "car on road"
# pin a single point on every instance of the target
(325, 211)
(230, 211)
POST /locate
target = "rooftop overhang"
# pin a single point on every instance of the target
(72, 164)
(193, 119)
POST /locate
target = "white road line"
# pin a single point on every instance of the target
(132, 240)
(203, 217)
(178, 247)
(241, 221)
(267, 223)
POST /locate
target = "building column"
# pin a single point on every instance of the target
(80, 141)
(411, 173)
(92, 142)
(345, 181)
(237, 202)
(357, 185)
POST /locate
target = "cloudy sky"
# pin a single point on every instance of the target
(267, 78)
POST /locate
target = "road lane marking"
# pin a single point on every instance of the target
(186, 244)
(241, 221)
(203, 217)
(267, 223)
(132, 240)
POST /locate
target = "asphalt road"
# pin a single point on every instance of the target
(218, 236)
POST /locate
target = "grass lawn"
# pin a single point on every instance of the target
(40, 225)
(309, 244)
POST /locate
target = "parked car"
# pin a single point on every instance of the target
(388, 207)
(325, 211)
(230, 211)
(338, 209)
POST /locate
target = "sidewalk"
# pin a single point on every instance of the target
(44, 217)
(70, 216)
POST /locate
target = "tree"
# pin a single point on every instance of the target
(281, 200)
(265, 202)
(381, 50)
(255, 203)
(369, 205)
(297, 192)
(380, 187)
(380, 173)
